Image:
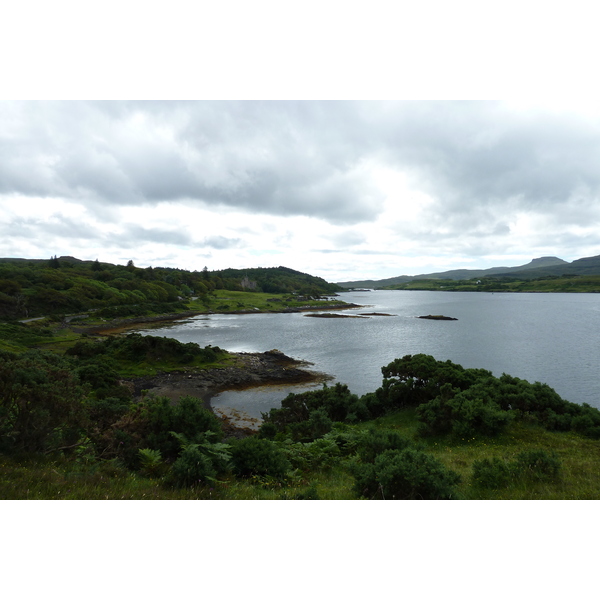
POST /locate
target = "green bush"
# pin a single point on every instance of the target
(465, 414)
(538, 464)
(191, 468)
(150, 423)
(406, 475)
(309, 493)
(151, 462)
(373, 442)
(256, 456)
(42, 405)
(309, 415)
(322, 453)
(491, 473)
(187, 416)
(529, 465)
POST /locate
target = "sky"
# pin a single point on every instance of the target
(343, 190)
(343, 142)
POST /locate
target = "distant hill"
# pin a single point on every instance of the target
(538, 267)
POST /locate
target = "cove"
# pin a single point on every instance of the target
(551, 338)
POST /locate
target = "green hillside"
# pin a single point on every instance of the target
(66, 285)
(546, 266)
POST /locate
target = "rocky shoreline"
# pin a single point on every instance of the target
(249, 370)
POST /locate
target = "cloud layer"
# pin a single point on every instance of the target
(340, 189)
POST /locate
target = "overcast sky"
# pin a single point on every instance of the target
(340, 189)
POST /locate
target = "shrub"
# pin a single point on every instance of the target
(465, 413)
(309, 493)
(150, 423)
(309, 415)
(406, 475)
(188, 417)
(191, 468)
(538, 464)
(256, 456)
(529, 465)
(151, 462)
(41, 402)
(491, 473)
(373, 442)
(323, 452)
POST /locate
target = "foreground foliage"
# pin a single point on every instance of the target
(433, 430)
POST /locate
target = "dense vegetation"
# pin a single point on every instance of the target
(59, 286)
(70, 427)
(432, 430)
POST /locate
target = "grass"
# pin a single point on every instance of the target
(228, 301)
(579, 478)
(579, 456)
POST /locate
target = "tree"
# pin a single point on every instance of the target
(41, 402)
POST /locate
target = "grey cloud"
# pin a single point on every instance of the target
(474, 154)
(218, 242)
(349, 238)
(477, 160)
(136, 233)
(62, 227)
(277, 158)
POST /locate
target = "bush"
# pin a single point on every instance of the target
(529, 465)
(538, 464)
(151, 462)
(321, 453)
(188, 417)
(256, 456)
(41, 402)
(309, 415)
(150, 423)
(406, 475)
(191, 468)
(375, 441)
(465, 413)
(491, 473)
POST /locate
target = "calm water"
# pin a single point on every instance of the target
(551, 338)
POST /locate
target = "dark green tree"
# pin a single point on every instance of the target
(42, 405)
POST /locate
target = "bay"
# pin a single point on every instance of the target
(551, 338)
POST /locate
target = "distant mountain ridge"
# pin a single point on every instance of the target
(538, 267)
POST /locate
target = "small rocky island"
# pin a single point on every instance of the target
(438, 318)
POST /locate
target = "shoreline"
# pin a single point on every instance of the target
(254, 369)
(118, 325)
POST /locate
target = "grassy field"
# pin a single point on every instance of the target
(227, 301)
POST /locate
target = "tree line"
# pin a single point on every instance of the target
(65, 285)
